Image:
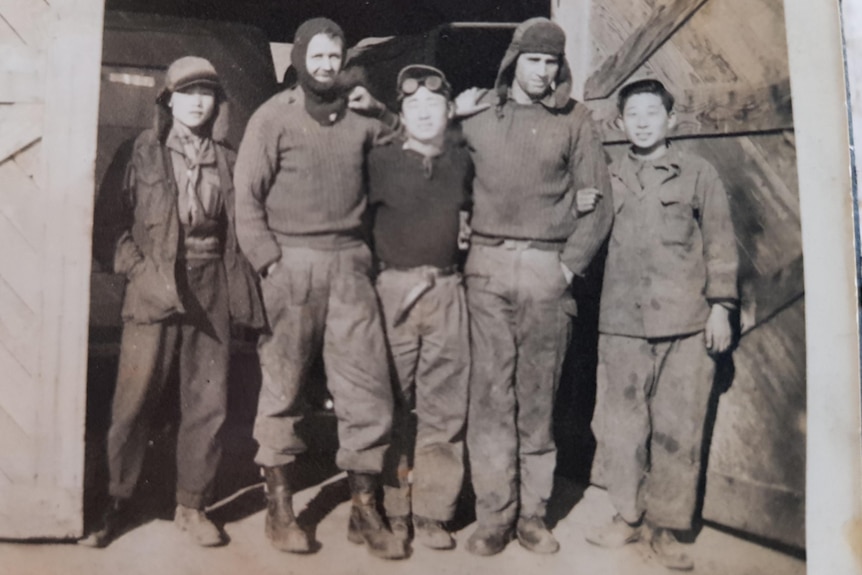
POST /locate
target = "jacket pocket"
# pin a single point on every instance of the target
(677, 217)
(151, 295)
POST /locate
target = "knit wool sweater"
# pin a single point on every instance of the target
(299, 182)
(529, 162)
(417, 203)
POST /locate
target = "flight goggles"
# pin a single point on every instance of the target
(411, 78)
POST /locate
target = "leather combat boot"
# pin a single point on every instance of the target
(107, 526)
(670, 552)
(366, 526)
(489, 540)
(282, 530)
(535, 536)
(400, 527)
(432, 533)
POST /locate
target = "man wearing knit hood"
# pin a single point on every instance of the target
(300, 203)
(532, 149)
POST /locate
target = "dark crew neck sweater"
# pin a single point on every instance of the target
(417, 203)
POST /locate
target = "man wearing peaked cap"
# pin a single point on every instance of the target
(533, 149)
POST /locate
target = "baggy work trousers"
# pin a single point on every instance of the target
(519, 331)
(202, 338)
(430, 349)
(324, 300)
(652, 398)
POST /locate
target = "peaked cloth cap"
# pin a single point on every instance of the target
(190, 71)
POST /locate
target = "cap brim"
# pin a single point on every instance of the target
(198, 82)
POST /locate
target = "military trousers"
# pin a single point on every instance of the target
(201, 339)
(428, 334)
(652, 399)
(518, 299)
(323, 301)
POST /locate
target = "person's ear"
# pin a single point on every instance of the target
(619, 124)
(450, 113)
(171, 100)
(671, 120)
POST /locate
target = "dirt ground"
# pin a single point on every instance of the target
(157, 548)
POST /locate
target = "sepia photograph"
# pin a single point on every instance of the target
(428, 287)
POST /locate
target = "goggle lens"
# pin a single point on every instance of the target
(410, 85)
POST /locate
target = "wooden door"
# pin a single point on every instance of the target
(726, 62)
(49, 79)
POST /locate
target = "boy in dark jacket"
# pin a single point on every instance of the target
(670, 284)
(418, 188)
(174, 238)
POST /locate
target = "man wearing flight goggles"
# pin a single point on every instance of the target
(419, 186)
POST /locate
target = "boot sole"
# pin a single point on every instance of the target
(358, 539)
(303, 548)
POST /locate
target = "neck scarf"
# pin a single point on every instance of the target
(196, 151)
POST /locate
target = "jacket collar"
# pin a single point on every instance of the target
(670, 162)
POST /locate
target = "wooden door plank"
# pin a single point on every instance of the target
(21, 203)
(764, 509)
(759, 433)
(19, 265)
(21, 78)
(639, 46)
(29, 159)
(27, 19)
(16, 387)
(39, 512)
(769, 295)
(614, 21)
(18, 455)
(19, 329)
(20, 126)
(71, 110)
(714, 109)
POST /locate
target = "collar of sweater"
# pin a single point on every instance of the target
(425, 150)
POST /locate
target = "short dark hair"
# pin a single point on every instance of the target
(648, 86)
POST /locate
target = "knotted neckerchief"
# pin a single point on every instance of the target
(197, 152)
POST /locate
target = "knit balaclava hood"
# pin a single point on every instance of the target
(321, 100)
(536, 35)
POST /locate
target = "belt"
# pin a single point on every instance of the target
(421, 270)
(426, 279)
(513, 244)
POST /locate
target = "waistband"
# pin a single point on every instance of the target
(326, 241)
(420, 270)
(513, 244)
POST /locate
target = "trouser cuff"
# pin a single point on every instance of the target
(191, 500)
